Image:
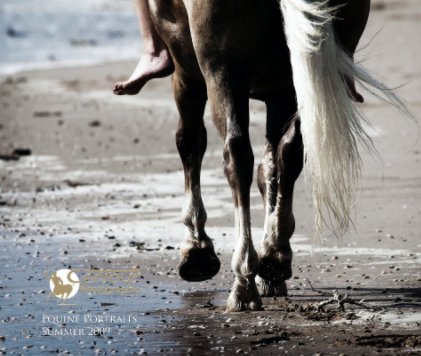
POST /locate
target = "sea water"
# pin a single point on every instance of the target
(51, 33)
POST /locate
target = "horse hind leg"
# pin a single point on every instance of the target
(198, 259)
(267, 182)
(284, 153)
(267, 170)
(229, 100)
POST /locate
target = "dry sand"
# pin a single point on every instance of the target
(102, 188)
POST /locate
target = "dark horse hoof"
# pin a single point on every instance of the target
(276, 266)
(199, 264)
(274, 270)
(271, 288)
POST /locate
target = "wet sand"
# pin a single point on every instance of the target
(102, 189)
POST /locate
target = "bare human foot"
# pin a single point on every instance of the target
(150, 66)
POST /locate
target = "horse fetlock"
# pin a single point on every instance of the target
(280, 223)
(245, 264)
(244, 296)
(287, 227)
(194, 215)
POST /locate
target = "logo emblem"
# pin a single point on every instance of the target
(64, 284)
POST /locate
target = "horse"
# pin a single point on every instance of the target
(60, 289)
(297, 57)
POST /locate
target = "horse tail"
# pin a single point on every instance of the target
(331, 124)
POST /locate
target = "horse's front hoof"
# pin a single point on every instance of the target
(271, 288)
(198, 264)
(244, 297)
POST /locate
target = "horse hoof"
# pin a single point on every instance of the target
(199, 264)
(244, 297)
(271, 288)
(275, 266)
(239, 306)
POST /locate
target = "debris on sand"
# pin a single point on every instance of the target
(8, 157)
(138, 245)
(15, 154)
(15, 33)
(95, 123)
(209, 305)
(269, 340)
(336, 298)
(22, 152)
(82, 42)
(47, 113)
(74, 184)
(389, 341)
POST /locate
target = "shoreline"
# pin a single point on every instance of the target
(9, 70)
(39, 69)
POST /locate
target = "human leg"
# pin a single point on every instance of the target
(155, 61)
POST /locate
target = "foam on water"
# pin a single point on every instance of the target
(39, 34)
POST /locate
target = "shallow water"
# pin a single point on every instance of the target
(41, 33)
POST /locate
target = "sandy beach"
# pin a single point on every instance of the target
(92, 182)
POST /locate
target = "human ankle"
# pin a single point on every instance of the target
(153, 46)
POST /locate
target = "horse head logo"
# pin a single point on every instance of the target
(64, 284)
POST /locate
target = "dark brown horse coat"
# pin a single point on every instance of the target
(225, 52)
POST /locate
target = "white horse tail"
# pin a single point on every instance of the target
(331, 124)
